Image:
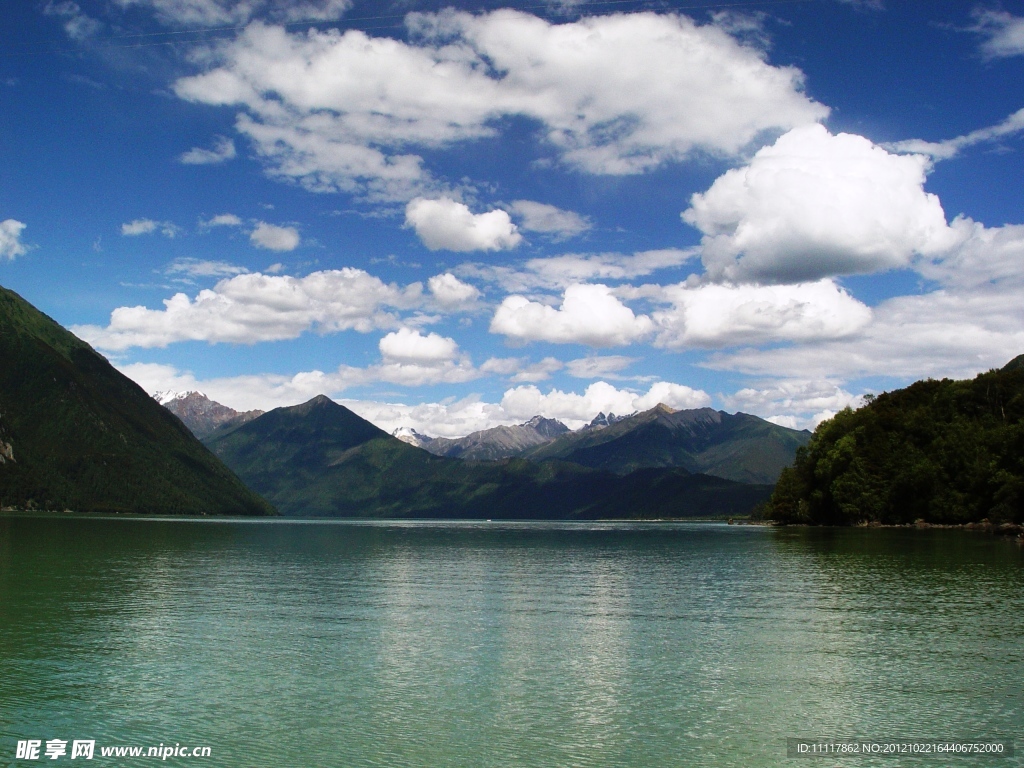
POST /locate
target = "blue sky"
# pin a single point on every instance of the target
(456, 216)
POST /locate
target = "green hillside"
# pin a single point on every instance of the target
(79, 435)
(320, 459)
(939, 451)
(736, 447)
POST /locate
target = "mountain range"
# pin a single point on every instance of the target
(736, 446)
(498, 442)
(77, 434)
(321, 459)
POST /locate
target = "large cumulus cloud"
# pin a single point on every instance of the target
(615, 94)
(815, 205)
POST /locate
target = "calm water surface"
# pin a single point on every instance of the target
(470, 644)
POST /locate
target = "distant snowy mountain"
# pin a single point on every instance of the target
(601, 421)
(169, 396)
(201, 414)
(412, 437)
(498, 442)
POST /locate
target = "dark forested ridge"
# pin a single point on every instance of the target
(945, 452)
(77, 434)
(321, 459)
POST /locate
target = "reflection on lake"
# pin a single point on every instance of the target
(493, 644)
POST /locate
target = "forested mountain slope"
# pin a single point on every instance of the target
(940, 451)
(77, 434)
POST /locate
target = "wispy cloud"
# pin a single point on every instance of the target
(78, 25)
(1003, 33)
(599, 367)
(559, 272)
(203, 268)
(213, 13)
(138, 227)
(221, 220)
(944, 150)
(548, 219)
(223, 150)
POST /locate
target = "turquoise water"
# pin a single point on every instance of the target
(281, 643)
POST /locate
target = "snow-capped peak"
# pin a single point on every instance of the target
(169, 396)
(411, 436)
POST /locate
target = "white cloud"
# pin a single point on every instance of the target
(984, 256)
(814, 205)
(222, 220)
(794, 403)
(249, 392)
(972, 322)
(444, 224)
(323, 163)
(250, 308)
(602, 366)
(148, 226)
(10, 239)
(447, 419)
(1004, 33)
(589, 314)
(138, 227)
(413, 359)
(938, 334)
(678, 396)
(590, 82)
(203, 268)
(410, 346)
(559, 272)
(223, 150)
(944, 150)
(614, 94)
(450, 291)
(271, 390)
(575, 410)
(275, 238)
(548, 219)
(727, 315)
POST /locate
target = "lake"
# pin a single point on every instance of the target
(316, 643)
